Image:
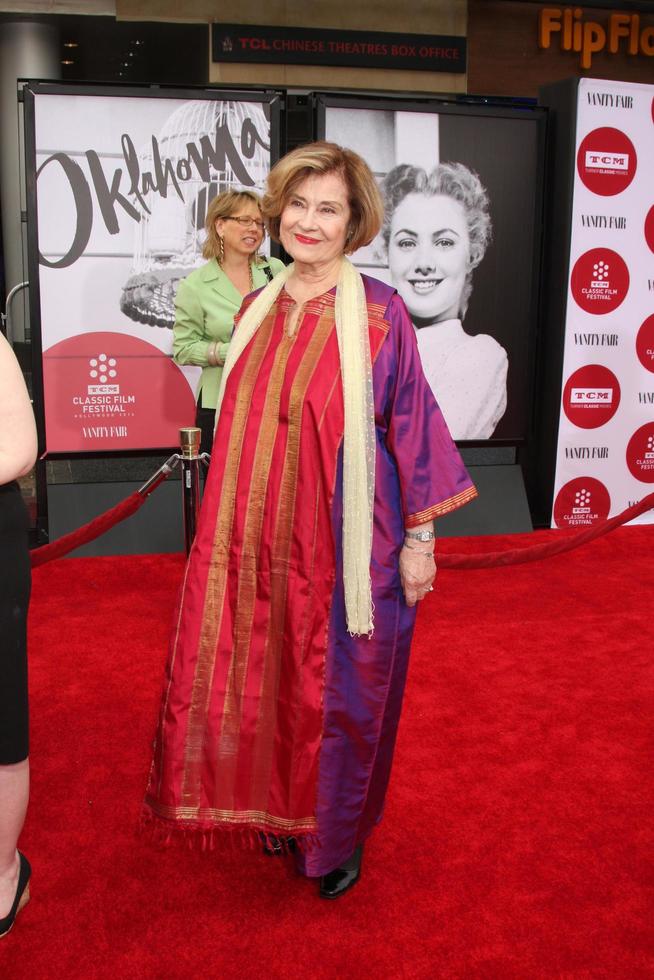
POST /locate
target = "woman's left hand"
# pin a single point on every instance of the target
(417, 573)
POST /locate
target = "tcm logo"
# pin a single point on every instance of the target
(103, 369)
(604, 160)
(591, 396)
(601, 276)
(581, 502)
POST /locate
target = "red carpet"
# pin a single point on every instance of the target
(517, 841)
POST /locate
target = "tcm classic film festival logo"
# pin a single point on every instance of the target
(581, 503)
(649, 229)
(599, 281)
(606, 161)
(113, 391)
(645, 343)
(640, 453)
(591, 396)
(103, 400)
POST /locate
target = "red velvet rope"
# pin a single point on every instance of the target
(556, 546)
(89, 531)
(512, 556)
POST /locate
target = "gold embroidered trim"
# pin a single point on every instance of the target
(264, 743)
(237, 817)
(229, 742)
(217, 580)
(437, 510)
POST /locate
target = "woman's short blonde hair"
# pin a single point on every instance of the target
(366, 205)
(224, 206)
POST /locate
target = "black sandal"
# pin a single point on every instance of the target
(21, 897)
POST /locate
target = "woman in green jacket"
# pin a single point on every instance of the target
(210, 297)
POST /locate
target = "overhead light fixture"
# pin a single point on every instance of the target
(67, 61)
(70, 44)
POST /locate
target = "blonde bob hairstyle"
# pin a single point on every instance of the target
(364, 199)
(224, 205)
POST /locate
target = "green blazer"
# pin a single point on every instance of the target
(205, 306)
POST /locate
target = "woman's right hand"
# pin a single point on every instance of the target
(417, 572)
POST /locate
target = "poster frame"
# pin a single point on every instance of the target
(483, 107)
(33, 88)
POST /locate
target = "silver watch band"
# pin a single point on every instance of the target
(420, 535)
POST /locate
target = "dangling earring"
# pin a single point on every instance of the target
(221, 251)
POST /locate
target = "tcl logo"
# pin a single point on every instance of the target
(606, 159)
(588, 396)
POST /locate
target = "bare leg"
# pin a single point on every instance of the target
(14, 793)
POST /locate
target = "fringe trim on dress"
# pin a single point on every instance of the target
(210, 838)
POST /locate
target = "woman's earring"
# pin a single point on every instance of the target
(221, 251)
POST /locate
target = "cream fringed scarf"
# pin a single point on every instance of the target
(359, 440)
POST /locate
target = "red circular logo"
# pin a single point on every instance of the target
(591, 396)
(645, 343)
(606, 161)
(640, 453)
(649, 228)
(113, 391)
(599, 281)
(581, 502)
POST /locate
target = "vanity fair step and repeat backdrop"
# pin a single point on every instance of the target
(605, 450)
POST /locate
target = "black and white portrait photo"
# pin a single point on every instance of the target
(458, 243)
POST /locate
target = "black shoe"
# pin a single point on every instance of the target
(276, 846)
(337, 882)
(21, 897)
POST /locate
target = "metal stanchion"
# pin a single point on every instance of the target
(190, 458)
(190, 443)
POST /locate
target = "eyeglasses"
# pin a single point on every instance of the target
(246, 222)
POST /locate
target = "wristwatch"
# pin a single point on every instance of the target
(420, 535)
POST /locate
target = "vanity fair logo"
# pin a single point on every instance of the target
(606, 161)
(586, 452)
(610, 100)
(649, 229)
(596, 339)
(645, 343)
(599, 281)
(591, 396)
(614, 222)
(640, 453)
(582, 503)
